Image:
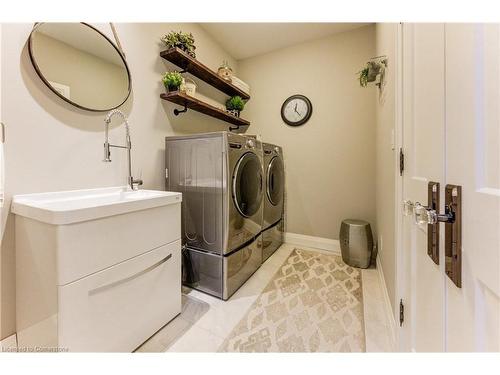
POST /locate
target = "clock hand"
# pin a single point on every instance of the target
(295, 109)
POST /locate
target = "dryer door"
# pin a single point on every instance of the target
(247, 184)
(275, 181)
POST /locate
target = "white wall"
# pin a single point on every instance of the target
(53, 146)
(329, 161)
(82, 72)
(385, 159)
(1, 208)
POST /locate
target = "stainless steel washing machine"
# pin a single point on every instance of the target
(220, 175)
(274, 187)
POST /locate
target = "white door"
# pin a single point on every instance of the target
(451, 135)
(423, 139)
(1, 185)
(473, 161)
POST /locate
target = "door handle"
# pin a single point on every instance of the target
(452, 218)
(429, 215)
(424, 215)
(421, 214)
(408, 207)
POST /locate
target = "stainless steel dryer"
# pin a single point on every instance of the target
(274, 187)
(220, 175)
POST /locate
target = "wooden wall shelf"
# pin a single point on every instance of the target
(184, 61)
(190, 102)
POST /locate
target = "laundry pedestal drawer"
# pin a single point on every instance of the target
(100, 312)
(272, 238)
(239, 266)
(218, 275)
(96, 269)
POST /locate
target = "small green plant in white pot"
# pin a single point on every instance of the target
(370, 72)
(183, 41)
(172, 80)
(235, 105)
(363, 77)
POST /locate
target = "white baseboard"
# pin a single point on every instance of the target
(9, 344)
(314, 242)
(387, 304)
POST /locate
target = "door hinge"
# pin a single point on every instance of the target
(401, 161)
(401, 313)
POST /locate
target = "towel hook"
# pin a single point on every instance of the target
(2, 131)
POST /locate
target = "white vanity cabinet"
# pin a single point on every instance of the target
(97, 270)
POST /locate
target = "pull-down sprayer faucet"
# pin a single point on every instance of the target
(134, 184)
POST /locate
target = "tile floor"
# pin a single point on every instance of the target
(206, 321)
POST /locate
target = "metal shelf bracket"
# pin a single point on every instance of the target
(177, 112)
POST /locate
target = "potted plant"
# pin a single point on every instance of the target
(235, 105)
(370, 72)
(172, 80)
(183, 41)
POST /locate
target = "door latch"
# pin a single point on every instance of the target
(428, 215)
(453, 233)
(452, 218)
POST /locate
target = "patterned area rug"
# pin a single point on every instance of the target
(314, 303)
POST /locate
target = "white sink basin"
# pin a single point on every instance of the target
(66, 207)
(98, 269)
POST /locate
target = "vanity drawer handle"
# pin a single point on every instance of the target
(129, 278)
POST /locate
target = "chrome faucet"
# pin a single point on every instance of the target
(134, 184)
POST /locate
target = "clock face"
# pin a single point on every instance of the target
(296, 110)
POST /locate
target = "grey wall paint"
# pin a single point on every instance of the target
(53, 146)
(385, 161)
(329, 161)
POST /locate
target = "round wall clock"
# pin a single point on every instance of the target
(296, 110)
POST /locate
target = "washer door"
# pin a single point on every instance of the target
(247, 184)
(275, 181)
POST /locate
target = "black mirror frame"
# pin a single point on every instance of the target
(38, 71)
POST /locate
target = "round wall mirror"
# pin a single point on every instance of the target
(80, 65)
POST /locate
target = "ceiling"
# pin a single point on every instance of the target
(244, 40)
